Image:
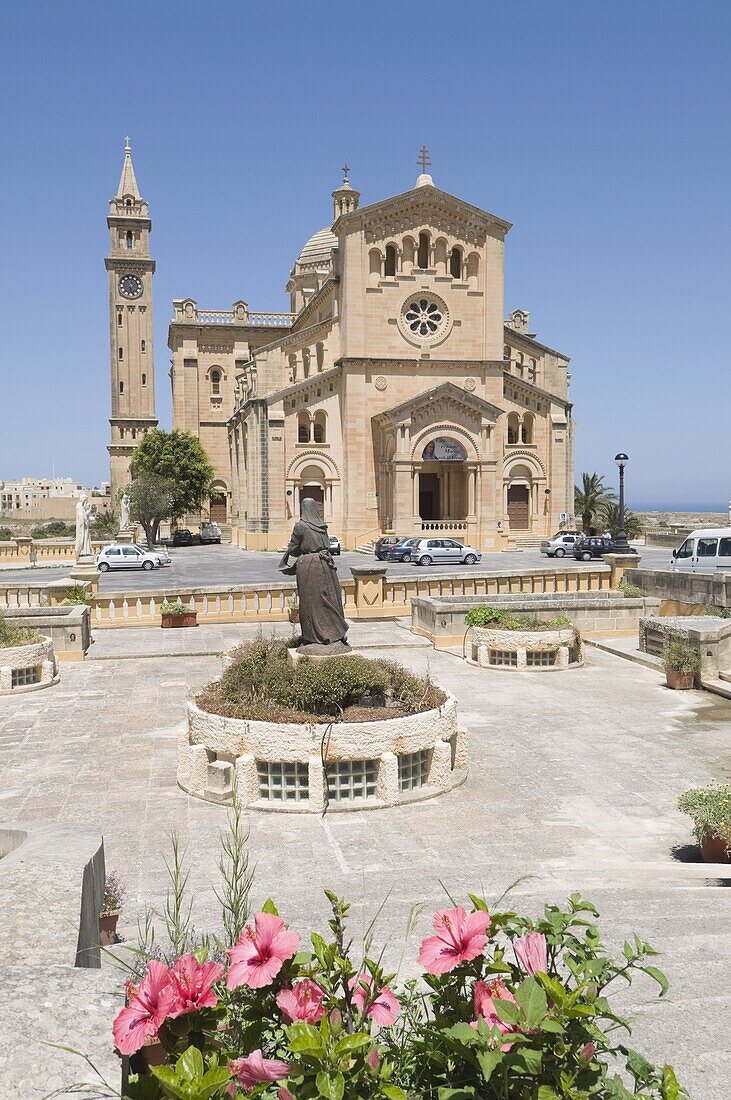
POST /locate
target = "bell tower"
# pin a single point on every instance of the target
(130, 270)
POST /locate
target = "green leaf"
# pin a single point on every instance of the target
(270, 907)
(532, 1000)
(659, 977)
(190, 1064)
(393, 1092)
(529, 1059)
(350, 1043)
(304, 1038)
(508, 1012)
(545, 1092)
(553, 988)
(479, 903)
(488, 1061)
(456, 1094)
(555, 1028)
(331, 1086)
(669, 1087)
(463, 1033)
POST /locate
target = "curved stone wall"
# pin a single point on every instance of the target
(527, 650)
(27, 667)
(283, 765)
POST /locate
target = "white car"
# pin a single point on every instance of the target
(560, 544)
(125, 556)
(160, 554)
(436, 551)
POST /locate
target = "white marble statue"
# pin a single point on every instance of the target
(124, 504)
(83, 535)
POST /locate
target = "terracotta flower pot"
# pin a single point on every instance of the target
(151, 1053)
(108, 927)
(680, 681)
(170, 621)
(713, 849)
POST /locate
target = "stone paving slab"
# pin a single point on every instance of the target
(573, 784)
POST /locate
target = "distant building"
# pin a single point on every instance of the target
(39, 498)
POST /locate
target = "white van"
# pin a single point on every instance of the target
(705, 551)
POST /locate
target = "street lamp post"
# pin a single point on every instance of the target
(621, 546)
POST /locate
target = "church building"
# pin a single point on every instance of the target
(394, 391)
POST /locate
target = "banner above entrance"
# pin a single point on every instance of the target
(444, 449)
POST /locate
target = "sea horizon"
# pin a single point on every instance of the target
(655, 507)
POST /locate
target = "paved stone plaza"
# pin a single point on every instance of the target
(572, 786)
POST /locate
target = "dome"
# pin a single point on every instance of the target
(318, 248)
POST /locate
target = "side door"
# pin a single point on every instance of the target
(724, 555)
(113, 557)
(132, 558)
(706, 552)
(435, 549)
(452, 550)
(685, 556)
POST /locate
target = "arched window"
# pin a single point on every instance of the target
(374, 266)
(319, 426)
(119, 320)
(389, 269)
(407, 255)
(293, 367)
(303, 427)
(519, 363)
(513, 429)
(455, 263)
(440, 256)
(506, 353)
(143, 345)
(128, 202)
(527, 428)
(144, 379)
(120, 353)
(422, 259)
(532, 370)
(473, 269)
(215, 382)
(121, 387)
(129, 238)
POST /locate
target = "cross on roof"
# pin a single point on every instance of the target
(424, 158)
(346, 172)
(127, 145)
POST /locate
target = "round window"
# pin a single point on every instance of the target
(424, 318)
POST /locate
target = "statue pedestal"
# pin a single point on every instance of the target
(369, 594)
(297, 653)
(126, 536)
(619, 564)
(85, 570)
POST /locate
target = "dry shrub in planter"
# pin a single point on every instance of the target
(710, 808)
(682, 663)
(114, 895)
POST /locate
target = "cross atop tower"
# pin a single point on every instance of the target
(127, 145)
(424, 159)
(346, 173)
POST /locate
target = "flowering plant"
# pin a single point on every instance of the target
(506, 1009)
(174, 607)
(114, 893)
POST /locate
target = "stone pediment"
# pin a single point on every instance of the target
(440, 402)
(425, 206)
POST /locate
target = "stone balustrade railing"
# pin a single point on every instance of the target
(46, 550)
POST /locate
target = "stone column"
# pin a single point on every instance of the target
(316, 783)
(387, 785)
(619, 564)
(440, 767)
(369, 590)
(246, 780)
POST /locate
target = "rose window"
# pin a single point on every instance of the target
(423, 317)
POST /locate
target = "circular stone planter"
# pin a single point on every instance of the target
(527, 650)
(28, 667)
(279, 765)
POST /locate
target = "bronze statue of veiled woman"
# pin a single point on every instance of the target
(323, 625)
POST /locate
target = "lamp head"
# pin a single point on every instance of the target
(621, 459)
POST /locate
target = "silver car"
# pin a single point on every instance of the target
(124, 556)
(558, 546)
(439, 551)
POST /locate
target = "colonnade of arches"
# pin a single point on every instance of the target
(306, 361)
(424, 253)
(521, 428)
(312, 427)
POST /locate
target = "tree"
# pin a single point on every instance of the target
(56, 529)
(151, 501)
(589, 499)
(105, 525)
(610, 519)
(178, 458)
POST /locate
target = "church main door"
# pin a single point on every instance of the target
(518, 510)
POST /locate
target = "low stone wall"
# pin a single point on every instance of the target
(442, 618)
(523, 650)
(283, 766)
(46, 551)
(660, 536)
(710, 634)
(27, 667)
(69, 628)
(683, 593)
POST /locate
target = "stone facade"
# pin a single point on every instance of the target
(393, 392)
(130, 269)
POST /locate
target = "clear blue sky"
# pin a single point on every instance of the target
(600, 130)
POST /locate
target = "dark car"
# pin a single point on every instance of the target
(404, 550)
(385, 543)
(335, 546)
(592, 546)
(182, 537)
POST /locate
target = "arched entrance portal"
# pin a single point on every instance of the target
(218, 504)
(443, 490)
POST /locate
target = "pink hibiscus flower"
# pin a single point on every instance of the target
(192, 983)
(256, 1069)
(460, 937)
(485, 995)
(383, 1009)
(261, 952)
(532, 953)
(150, 1004)
(302, 1002)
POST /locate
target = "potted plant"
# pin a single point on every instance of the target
(682, 663)
(293, 608)
(175, 614)
(114, 895)
(710, 808)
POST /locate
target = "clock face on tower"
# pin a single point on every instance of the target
(130, 286)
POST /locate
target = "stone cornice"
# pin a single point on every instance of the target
(446, 392)
(536, 390)
(530, 342)
(298, 387)
(327, 287)
(422, 198)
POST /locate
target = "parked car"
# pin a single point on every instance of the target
(592, 546)
(560, 544)
(437, 551)
(400, 551)
(159, 553)
(210, 532)
(182, 537)
(124, 556)
(386, 543)
(335, 546)
(705, 551)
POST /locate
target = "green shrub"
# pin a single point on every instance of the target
(12, 634)
(56, 529)
(261, 683)
(631, 591)
(174, 607)
(503, 620)
(680, 656)
(710, 808)
(76, 595)
(719, 612)
(6, 534)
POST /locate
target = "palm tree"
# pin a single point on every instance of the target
(610, 519)
(589, 499)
